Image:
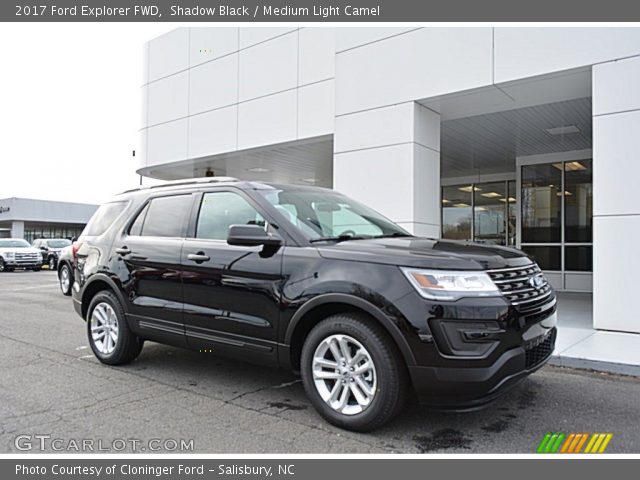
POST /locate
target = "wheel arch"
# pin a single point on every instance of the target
(322, 306)
(97, 284)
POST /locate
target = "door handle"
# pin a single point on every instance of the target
(198, 257)
(123, 251)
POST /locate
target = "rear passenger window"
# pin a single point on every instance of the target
(220, 210)
(163, 217)
(103, 218)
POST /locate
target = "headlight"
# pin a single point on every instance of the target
(10, 254)
(450, 285)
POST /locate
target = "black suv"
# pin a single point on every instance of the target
(307, 279)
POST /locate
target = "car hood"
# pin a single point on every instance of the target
(426, 253)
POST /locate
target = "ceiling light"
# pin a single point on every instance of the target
(469, 189)
(444, 200)
(481, 209)
(461, 205)
(258, 170)
(567, 194)
(573, 166)
(308, 180)
(510, 200)
(491, 194)
(565, 130)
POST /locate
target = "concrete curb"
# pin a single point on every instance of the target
(595, 365)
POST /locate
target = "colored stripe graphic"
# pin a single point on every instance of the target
(560, 442)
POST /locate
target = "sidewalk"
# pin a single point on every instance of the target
(580, 346)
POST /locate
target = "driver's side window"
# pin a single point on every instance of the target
(220, 210)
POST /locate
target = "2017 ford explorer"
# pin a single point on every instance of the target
(307, 279)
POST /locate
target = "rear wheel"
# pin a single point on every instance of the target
(109, 335)
(3, 266)
(52, 263)
(66, 279)
(353, 373)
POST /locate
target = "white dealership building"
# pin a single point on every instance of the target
(518, 136)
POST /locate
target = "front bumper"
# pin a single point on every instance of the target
(23, 263)
(468, 387)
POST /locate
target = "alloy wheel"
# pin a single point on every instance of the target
(104, 328)
(52, 263)
(344, 374)
(65, 279)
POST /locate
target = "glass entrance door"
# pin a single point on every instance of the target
(556, 220)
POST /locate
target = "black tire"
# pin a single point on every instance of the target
(391, 371)
(51, 262)
(36, 269)
(65, 290)
(128, 346)
(3, 266)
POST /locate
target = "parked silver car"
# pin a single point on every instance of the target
(17, 253)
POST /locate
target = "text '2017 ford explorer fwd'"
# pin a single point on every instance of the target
(307, 279)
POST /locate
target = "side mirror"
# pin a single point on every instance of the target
(251, 236)
(44, 249)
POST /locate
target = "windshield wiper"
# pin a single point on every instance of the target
(339, 238)
(394, 234)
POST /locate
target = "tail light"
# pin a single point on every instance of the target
(74, 249)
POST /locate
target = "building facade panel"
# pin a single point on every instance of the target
(415, 65)
(315, 109)
(168, 99)
(269, 67)
(528, 52)
(206, 44)
(168, 54)
(213, 84)
(316, 54)
(268, 120)
(615, 86)
(213, 132)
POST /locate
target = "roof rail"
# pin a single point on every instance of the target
(186, 181)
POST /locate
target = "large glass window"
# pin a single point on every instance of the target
(541, 203)
(557, 215)
(578, 199)
(482, 212)
(457, 212)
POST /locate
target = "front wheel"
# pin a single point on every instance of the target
(109, 335)
(3, 266)
(353, 372)
(66, 279)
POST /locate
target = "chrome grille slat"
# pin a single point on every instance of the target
(514, 285)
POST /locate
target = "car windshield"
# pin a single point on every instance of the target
(14, 244)
(58, 243)
(328, 215)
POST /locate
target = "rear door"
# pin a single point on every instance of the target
(150, 252)
(231, 293)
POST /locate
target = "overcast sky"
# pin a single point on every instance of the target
(70, 108)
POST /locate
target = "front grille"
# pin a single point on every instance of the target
(29, 258)
(536, 353)
(522, 286)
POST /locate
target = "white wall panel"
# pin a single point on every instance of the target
(253, 35)
(317, 54)
(615, 280)
(168, 98)
(169, 54)
(315, 109)
(616, 166)
(527, 52)
(269, 67)
(351, 37)
(419, 64)
(167, 142)
(209, 43)
(267, 120)
(213, 84)
(213, 132)
(616, 86)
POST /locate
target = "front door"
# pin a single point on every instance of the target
(231, 294)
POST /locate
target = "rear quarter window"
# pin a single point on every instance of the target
(103, 218)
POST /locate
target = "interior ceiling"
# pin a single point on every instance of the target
(490, 143)
(303, 162)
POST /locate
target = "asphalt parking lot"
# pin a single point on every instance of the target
(50, 384)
